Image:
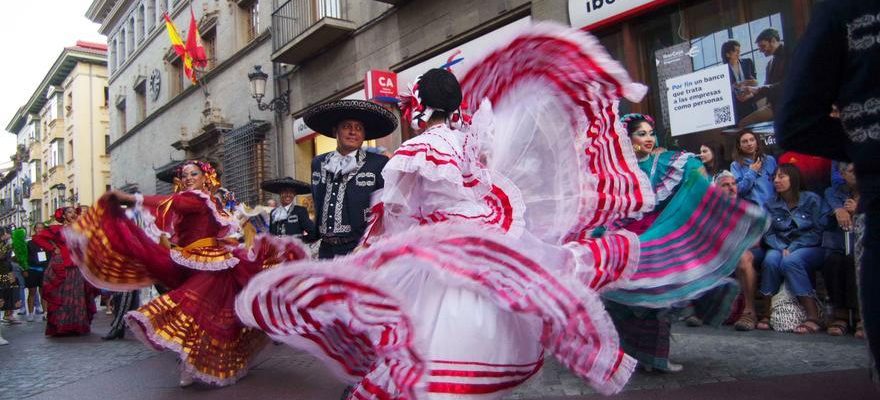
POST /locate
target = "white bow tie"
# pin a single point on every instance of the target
(339, 164)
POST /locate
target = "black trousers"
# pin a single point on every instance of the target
(330, 251)
(839, 273)
(869, 279)
(123, 303)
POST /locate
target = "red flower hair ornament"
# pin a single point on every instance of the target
(212, 182)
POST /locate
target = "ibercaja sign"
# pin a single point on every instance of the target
(593, 14)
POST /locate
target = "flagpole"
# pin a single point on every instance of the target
(201, 82)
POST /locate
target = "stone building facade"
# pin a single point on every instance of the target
(330, 54)
(158, 118)
(62, 135)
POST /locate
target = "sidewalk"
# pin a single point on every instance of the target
(719, 364)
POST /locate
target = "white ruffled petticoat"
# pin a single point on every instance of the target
(479, 257)
(446, 309)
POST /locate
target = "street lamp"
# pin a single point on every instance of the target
(258, 90)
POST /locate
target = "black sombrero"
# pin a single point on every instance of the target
(277, 185)
(378, 121)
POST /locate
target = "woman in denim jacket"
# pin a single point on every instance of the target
(794, 244)
(753, 169)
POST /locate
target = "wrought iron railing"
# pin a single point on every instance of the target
(293, 17)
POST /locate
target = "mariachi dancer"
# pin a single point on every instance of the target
(289, 219)
(482, 252)
(683, 194)
(183, 242)
(343, 180)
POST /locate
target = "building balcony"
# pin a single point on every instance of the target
(303, 28)
(56, 176)
(55, 131)
(36, 151)
(36, 191)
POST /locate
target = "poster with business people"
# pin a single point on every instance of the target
(730, 78)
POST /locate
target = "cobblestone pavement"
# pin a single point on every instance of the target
(87, 367)
(33, 363)
(721, 355)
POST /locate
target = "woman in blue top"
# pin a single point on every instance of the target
(753, 169)
(794, 244)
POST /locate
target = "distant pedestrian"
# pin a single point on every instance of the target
(19, 262)
(3, 341)
(9, 286)
(38, 261)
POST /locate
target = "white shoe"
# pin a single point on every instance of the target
(673, 367)
(3, 342)
(186, 379)
(29, 318)
(670, 368)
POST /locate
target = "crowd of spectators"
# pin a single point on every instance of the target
(801, 276)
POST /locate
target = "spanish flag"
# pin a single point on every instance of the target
(180, 49)
(194, 45)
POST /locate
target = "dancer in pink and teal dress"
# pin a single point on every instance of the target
(693, 223)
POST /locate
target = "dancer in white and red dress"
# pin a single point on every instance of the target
(480, 256)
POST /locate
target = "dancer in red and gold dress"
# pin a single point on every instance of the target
(69, 298)
(184, 242)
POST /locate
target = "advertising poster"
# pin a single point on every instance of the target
(709, 82)
(700, 101)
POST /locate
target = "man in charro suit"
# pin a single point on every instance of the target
(289, 219)
(344, 180)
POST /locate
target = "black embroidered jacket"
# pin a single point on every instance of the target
(297, 223)
(342, 204)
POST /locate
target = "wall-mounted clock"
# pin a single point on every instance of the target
(155, 84)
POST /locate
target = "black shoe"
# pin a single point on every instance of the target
(114, 335)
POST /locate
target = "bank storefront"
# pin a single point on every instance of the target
(675, 48)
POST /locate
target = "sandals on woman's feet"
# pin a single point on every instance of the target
(808, 326)
(763, 324)
(860, 330)
(837, 328)
(746, 322)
